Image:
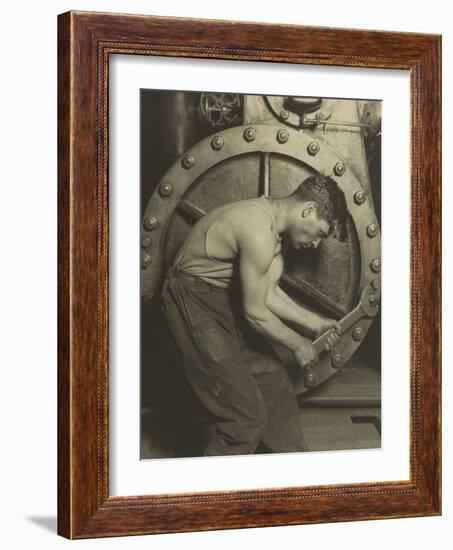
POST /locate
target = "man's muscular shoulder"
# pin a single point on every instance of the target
(252, 223)
(253, 234)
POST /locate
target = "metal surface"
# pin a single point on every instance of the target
(165, 189)
(220, 109)
(347, 140)
(217, 142)
(367, 307)
(214, 175)
(146, 241)
(150, 223)
(292, 110)
(337, 360)
(313, 148)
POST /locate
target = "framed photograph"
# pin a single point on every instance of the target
(249, 275)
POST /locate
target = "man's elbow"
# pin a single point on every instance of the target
(271, 298)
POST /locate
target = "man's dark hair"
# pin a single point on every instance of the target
(330, 199)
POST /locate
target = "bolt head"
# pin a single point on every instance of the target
(357, 334)
(359, 197)
(249, 134)
(313, 148)
(188, 161)
(146, 241)
(310, 380)
(372, 230)
(217, 142)
(373, 301)
(150, 223)
(146, 260)
(339, 168)
(282, 136)
(284, 115)
(375, 284)
(376, 265)
(337, 360)
(165, 189)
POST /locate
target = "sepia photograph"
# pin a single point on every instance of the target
(260, 239)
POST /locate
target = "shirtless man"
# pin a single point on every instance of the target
(224, 305)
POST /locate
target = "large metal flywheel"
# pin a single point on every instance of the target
(340, 280)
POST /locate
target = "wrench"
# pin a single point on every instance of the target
(367, 307)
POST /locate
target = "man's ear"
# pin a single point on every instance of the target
(309, 208)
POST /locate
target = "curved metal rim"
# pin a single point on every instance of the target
(325, 161)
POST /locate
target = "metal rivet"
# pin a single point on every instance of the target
(146, 260)
(146, 241)
(359, 197)
(284, 114)
(372, 230)
(165, 189)
(150, 223)
(313, 148)
(339, 168)
(310, 380)
(217, 142)
(375, 284)
(372, 300)
(357, 334)
(337, 360)
(376, 265)
(249, 134)
(188, 161)
(282, 136)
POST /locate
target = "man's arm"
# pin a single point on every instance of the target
(255, 257)
(287, 309)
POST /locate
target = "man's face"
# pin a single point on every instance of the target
(306, 229)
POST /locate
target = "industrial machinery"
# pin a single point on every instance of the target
(202, 150)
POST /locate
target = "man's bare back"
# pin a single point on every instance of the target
(212, 246)
(239, 223)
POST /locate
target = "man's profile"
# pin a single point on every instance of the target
(224, 306)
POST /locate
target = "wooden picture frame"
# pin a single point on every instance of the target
(85, 42)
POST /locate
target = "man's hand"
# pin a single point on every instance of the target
(305, 354)
(322, 326)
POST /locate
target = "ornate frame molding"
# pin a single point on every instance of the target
(85, 41)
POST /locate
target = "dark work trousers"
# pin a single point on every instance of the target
(246, 390)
